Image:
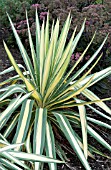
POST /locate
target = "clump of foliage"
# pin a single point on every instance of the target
(15, 8)
(97, 14)
(11, 159)
(39, 98)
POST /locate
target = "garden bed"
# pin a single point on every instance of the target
(100, 162)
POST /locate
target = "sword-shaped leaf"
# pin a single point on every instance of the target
(23, 52)
(54, 34)
(64, 55)
(57, 78)
(93, 133)
(71, 137)
(99, 112)
(71, 94)
(11, 91)
(82, 113)
(90, 95)
(47, 34)
(10, 147)
(8, 70)
(90, 60)
(50, 145)
(47, 66)
(42, 55)
(64, 87)
(34, 157)
(99, 76)
(39, 132)
(62, 40)
(33, 54)
(38, 48)
(37, 37)
(13, 85)
(29, 86)
(98, 122)
(3, 168)
(15, 103)
(9, 165)
(10, 157)
(11, 126)
(10, 80)
(23, 122)
(28, 140)
(8, 111)
(78, 36)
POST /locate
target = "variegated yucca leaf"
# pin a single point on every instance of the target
(9, 147)
(12, 160)
(33, 157)
(82, 113)
(71, 137)
(6, 159)
(72, 117)
(23, 122)
(50, 145)
(39, 132)
(42, 97)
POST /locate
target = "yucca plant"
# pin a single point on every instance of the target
(14, 160)
(46, 91)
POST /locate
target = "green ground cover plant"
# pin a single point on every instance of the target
(15, 8)
(44, 94)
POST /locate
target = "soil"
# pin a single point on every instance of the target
(100, 163)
